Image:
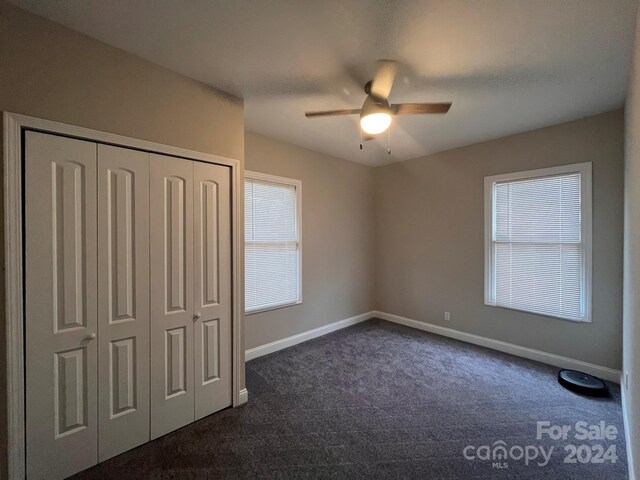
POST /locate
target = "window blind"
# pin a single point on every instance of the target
(538, 254)
(271, 245)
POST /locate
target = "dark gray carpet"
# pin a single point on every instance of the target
(378, 400)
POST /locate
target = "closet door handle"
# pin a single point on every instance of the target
(196, 317)
(88, 338)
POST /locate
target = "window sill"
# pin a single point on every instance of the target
(272, 307)
(548, 315)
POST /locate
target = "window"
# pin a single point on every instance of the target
(272, 207)
(538, 241)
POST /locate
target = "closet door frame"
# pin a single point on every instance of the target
(13, 143)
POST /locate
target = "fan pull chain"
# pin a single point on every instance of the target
(389, 140)
(360, 130)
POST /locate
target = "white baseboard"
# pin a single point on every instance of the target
(530, 353)
(243, 397)
(517, 350)
(304, 336)
(627, 431)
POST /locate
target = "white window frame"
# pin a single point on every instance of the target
(584, 169)
(297, 184)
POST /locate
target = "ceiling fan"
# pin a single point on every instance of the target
(376, 112)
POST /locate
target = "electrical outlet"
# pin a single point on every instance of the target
(447, 316)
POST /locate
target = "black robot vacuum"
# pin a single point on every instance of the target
(582, 383)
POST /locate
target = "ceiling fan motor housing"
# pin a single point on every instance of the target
(373, 105)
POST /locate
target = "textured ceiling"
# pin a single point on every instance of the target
(507, 65)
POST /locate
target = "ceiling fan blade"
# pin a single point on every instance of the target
(419, 108)
(331, 113)
(383, 79)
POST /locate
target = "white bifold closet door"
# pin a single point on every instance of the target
(127, 299)
(171, 247)
(61, 320)
(190, 292)
(123, 299)
(212, 288)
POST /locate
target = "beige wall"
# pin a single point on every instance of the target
(430, 244)
(631, 327)
(51, 72)
(337, 238)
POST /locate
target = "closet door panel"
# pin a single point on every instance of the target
(60, 305)
(171, 247)
(123, 302)
(212, 288)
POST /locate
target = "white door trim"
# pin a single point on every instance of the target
(14, 126)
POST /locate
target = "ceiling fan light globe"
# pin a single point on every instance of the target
(375, 123)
